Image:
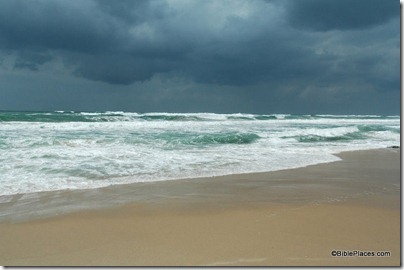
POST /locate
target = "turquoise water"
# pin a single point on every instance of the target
(43, 151)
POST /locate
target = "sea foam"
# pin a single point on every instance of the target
(43, 151)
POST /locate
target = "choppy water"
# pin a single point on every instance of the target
(44, 151)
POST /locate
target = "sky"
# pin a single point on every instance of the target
(222, 56)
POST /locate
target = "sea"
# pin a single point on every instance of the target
(70, 150)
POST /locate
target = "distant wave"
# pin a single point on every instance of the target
(110, 116)
(316, 138)
(208, 139)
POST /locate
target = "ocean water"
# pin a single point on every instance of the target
(47, 151)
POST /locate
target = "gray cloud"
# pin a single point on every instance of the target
(57, 25)
(226, 50)
(323, 15)
(31, 59)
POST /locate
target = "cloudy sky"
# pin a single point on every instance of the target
(252, 56)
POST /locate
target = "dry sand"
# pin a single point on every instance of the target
(291, 217)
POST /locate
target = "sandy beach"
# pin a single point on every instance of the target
(344, 213)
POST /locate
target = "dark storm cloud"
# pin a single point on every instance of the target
(326, 15)
(57, 25)
(270, 53)
(119, 68)
(121, 42)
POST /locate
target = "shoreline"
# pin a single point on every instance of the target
(336, 154)
(289, 217)
(38, 205)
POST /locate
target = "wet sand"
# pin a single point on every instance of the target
(289, 217)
